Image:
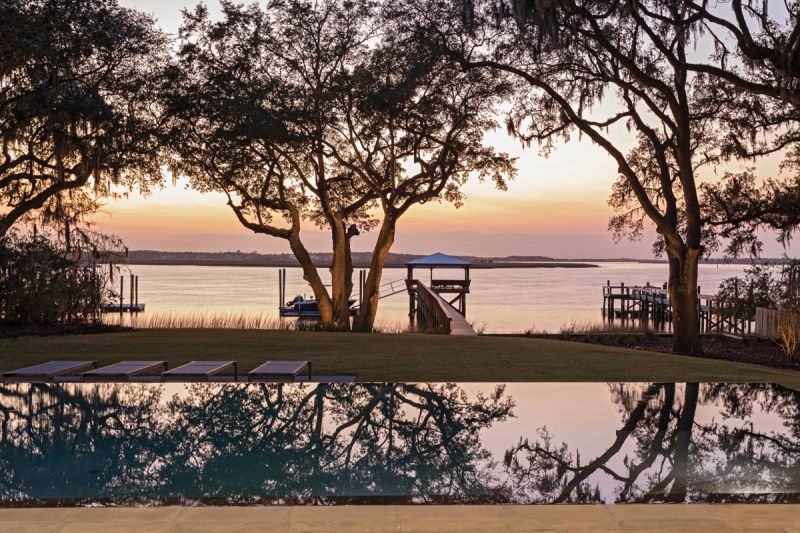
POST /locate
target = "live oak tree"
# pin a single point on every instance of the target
(756, 58)
(415, 134)
(252, 108)
(756, 44)
(741, 206)
(313, 114)
(77, 114)
(750, 49)
(600, 69)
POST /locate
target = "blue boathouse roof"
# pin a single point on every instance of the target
(439, 260)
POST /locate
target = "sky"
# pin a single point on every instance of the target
(557, 206)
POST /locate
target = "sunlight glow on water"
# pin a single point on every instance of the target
(501, 300)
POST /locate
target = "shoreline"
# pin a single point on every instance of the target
(358, 265)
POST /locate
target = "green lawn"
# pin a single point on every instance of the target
(385, 357)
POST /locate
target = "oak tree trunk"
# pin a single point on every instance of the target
(683, 265)
(311, 275)
(342, 274)
(371, 295)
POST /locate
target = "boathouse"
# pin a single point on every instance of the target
(427, 299)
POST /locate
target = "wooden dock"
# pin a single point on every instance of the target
(133, 305)
(649, 304)
(434, 314)
(123, 308)
(428, 310)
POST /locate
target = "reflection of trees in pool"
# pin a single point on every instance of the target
(227, 444)
(664, 452)
(69, 440)
(367, 440)
(235, 443)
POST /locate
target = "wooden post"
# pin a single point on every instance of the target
(464, 294)
(411, 295)
(281, 288)
(130, 300)
(95, 289)
(121, 295)
(137, 291)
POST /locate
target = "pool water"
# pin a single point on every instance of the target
(156, 444)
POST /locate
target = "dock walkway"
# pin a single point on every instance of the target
(458, 324)
(432, 313)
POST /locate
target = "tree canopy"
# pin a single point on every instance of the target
(77, 110)
(607, 71)
(317, 114)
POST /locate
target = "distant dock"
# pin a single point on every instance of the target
(133, 305)
(123, 308)
(650, 304)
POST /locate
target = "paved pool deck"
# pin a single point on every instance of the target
(377, 519)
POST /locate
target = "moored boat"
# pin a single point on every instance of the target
(307, 308)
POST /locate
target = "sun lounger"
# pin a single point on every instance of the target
(123, 370)
(47, 371)
(279, 371)
(201, 370)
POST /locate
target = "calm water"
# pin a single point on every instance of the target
(76, 444)
(502, 300)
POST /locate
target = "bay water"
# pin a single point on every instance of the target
(501, 300)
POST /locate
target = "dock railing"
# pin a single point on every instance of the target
(459, 286)
(431, 316)
(391, 288)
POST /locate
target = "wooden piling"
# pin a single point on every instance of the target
(648, 303)
(281, 288)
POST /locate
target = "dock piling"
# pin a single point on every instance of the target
(648, 303)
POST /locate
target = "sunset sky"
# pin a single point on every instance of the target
(555, 207)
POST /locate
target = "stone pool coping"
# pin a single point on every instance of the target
(433, 518)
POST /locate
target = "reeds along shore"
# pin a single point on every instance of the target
(241, 320)
(268, 321)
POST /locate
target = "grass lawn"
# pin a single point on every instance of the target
(393, 357)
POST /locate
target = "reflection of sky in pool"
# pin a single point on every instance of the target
(381, 443)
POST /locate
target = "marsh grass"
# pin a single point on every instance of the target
(479, 327)
(611, 334)
(584, 328)
(594, 328)
(788, 333)
(174, 320)
(232, 320)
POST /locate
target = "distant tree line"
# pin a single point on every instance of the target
(344, 114)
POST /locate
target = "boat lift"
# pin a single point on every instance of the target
(300, 307)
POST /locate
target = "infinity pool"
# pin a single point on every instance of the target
(156, 444)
